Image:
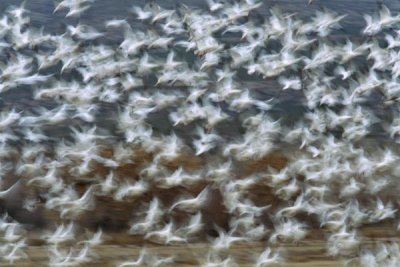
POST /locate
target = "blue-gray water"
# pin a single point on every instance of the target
(289, 105)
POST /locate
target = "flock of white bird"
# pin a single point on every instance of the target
(192, 64)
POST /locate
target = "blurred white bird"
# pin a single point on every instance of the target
(290, 83)
(268, 258)
(224, 240)
(165, 236)
(192, 204)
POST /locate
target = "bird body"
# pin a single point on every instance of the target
(225, 240)
(192, 204)
(165, 235)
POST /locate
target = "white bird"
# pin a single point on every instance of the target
(376, 185)
(161, 14)
(351, 189)
(33, 79)
(206, 142)
(97, 239)
(341, 71)
(63, 233)
(299, 205)
(86, 135)
(153, 216)
(213, 260)
(268, 258)
(224, 240)
(242, 102)
(221, 172)
(388, 159)
(342, 242)
(61, 258)
(165, 236)
(290, 83)
(76, 206)
(241, 54)
(386, 19)
(48, 179)
(7, 136)
(175, 179)
(133, 42)
(289, 230)
(130, 82)
(75, 7)
(131, 190)
(350, 50)
(214, 5)
(84, 32)
(86, 113)
(324, 21)
(108, 184)
(188, 45)
(392, 41)
(55, 115)
(13, 232)
(170, 63)
(116, 23)
(288, 191)
(34, 135)
(142, 13)
(161, 261)
(173, 25)
(144, 66)
(322, 55)
(279, 176)
(18, 12)
(83, 256)
(247, 207)
(194, 226)
(382, 211)
(140, 261)
(373, 26)
(192, 204)
(154, 212)
(16, 253)
(9, 118)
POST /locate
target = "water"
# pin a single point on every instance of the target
(288, 105)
